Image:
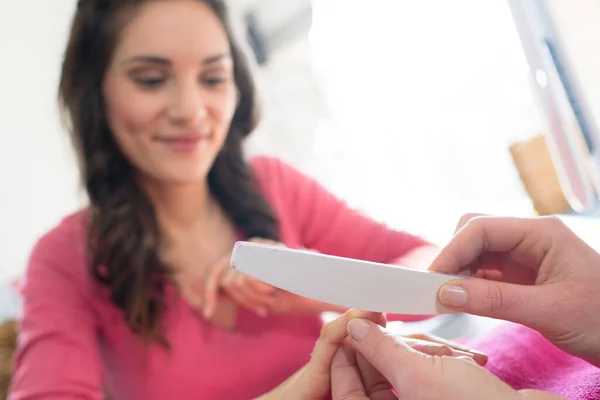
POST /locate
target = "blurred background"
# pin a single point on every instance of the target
(408, 110)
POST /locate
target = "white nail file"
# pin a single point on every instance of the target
(341, 281)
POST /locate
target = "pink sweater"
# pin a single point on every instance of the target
(73, 340)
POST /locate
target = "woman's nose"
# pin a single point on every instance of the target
(188, 106)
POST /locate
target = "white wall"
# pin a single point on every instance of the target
(38, 181)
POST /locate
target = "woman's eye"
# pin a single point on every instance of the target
(213, 81)
(149, 82)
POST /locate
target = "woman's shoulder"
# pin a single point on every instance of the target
(64, 246)
(70, 229)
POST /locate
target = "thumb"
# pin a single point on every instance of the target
(517, 303)
(400, 364)
(414, 374)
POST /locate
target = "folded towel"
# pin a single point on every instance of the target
(524, 359)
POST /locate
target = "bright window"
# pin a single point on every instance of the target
(425, 98)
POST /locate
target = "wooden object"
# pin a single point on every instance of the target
(537, 172)
(8, 344)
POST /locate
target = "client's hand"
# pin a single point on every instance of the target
(377, 359)
(245, 290)
(313, 382)
(253, 294)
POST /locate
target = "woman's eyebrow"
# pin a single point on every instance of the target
(165, 61)
(148, 59)
(216, 58)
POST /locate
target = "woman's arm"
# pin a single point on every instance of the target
(58, 355)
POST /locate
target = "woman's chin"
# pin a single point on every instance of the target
(178, 178)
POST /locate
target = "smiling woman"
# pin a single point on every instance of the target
(168, 96)
(163, 101)
(135, 292)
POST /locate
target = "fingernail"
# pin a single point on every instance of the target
(479, 357)
(453, 296)
(433, 349)
(358, 328)
(207, 312)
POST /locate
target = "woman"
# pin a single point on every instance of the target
(134, 292)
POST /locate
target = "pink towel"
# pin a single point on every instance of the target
(524, 359)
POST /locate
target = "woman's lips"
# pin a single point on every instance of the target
(184, 144)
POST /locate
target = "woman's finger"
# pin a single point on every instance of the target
(244, 301)
(247, 297)
(346, 381)
(245, 285)
(425, 339)
(332, 335)
(259, 286)
(211, 290)
(375, 385)
(488, 234)
(465, 219)
(438, 350)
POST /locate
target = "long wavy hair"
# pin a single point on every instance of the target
(123, 234)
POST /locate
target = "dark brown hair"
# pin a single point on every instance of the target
(123, 236)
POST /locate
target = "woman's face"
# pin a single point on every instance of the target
(169, 90)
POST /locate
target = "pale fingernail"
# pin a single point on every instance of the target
(453, 296)
(460, 353)
(358, 328)
(479, 357)
(207, 312)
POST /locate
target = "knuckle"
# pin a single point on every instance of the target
(327, 330)
(382, 345)
(498, 299)
(475, 221)
(553, 222)
(468, 218)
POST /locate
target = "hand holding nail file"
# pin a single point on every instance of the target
(342, 281)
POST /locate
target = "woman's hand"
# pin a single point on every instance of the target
(248, 292)
(536, 272)
(313, 382)
(377, 360)
(255, 295)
